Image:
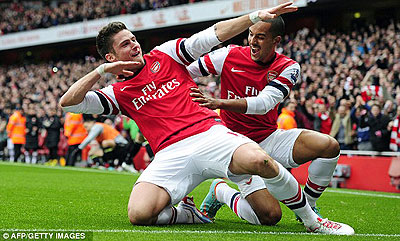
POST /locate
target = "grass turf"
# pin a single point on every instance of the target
(40, 198)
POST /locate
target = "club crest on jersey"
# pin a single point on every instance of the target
(271, 75)
(155, 67)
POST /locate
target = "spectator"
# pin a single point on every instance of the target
(286, 119)
(389, 109)
(341, 128)
(307, 109)
(52, 124)
(28, 15)
(359, 115)
(3, 138)
(323, 122)
(33, 127)
(76, 133)
(134, 146)
(112, 144)
(379, 129)
(395, 134)
(16, 132)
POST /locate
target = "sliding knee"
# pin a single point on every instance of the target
(140, 216)
(270, 217)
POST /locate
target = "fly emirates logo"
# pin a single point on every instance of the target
(249, 91)
(151, 92)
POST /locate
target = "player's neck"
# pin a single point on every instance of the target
(271, 57)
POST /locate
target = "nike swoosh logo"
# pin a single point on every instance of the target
(249, 181)
(122, 89)
(236, 70)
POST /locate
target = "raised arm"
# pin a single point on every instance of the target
(77, 92)
(186, 51)
(230, 28)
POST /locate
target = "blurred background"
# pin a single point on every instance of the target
(349, 52)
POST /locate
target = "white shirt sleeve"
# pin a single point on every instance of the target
(275, 92)
(90, 105)
(186, 51)
(96, 102)
(211, 63)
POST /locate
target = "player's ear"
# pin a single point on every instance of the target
(277, 39)
(110, 57)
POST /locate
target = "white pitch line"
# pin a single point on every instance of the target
(187, 232)
(78, 169)
(362, 194)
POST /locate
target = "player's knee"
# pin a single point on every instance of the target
(258, 161)
(272, 217)
(332, 147)
(139, 216)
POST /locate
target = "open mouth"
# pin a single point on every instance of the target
(255, 50)
(135, 54)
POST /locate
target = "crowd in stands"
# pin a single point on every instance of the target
(28, 15)
(350, 89)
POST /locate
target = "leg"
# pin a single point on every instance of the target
(146, 202)
(17, 148)
(258, 207)
(323, 151)
(70, 155)
(11, 150)
(283, 186)
(311, 145)
(266, 207)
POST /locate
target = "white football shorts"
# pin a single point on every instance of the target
(182, 166)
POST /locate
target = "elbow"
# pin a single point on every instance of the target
(63, 102)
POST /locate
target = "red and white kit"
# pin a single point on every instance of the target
(157, 98)
(264, 86)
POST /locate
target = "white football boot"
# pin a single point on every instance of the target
(197, 216)
(325, 226)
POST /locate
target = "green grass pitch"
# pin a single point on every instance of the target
(40, 198)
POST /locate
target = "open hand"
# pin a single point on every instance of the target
(122, 68)
(274, 12)
(203, 100)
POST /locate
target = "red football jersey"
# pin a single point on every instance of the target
(157, 97)
(241, 77)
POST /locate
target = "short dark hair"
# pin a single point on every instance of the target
(377, 105)
(104, 38)
(277, 26)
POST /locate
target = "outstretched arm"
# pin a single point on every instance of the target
(185, 51)
(76, 93)
(230, 28)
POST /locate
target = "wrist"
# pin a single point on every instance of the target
(101, 70)
(254, 18)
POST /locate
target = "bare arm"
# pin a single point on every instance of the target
(229, 28)
(76, 93)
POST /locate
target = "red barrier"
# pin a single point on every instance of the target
(367, 173)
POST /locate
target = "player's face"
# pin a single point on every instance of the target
(262, 44)
(126, 48)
